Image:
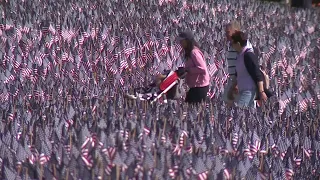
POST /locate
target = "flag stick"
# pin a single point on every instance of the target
(164, 126)
(261, 163)
(270, 177)
(315, 126)
(118, 173)
(201, 115)
(227, 125)
(19, 168)
(299, 146)
(67, 174)
(233, 173)
(101, 168)
(92, 173)
(145, 106)
(125, 102)
(27, 174)
(14, 106)
(31, 137)
(155, 157)
(54, 171)
(309, 128)
(41, 171)
(70, 140)
(135, 129)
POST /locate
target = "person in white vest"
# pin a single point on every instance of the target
(231, 28)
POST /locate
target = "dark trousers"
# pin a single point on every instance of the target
(197, 94)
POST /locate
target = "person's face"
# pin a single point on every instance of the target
(229, 32)
(236, 46)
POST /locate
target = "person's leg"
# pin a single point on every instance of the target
(197, 94)
(190, 96)
(246, 98)
(202, 93)
(253, 102)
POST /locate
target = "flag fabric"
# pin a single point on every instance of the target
(65, 66)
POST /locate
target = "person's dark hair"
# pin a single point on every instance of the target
(191, 42)
(240, 37)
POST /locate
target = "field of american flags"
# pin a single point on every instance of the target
(65, 66)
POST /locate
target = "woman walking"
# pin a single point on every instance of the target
(197, 77)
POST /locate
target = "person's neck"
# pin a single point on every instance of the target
(238, 50)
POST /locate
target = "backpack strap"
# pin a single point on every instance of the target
(248, 50)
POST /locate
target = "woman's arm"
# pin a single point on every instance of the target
(159, 78)
(251, 63)
(199, 63)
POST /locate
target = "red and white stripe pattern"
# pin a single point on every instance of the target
(43, 159)
(11, 116)
(110, 152)
(289, 174)
(173, 172)
(34, 154)
(226, 174)
(247, 152)
(183, 135)
(9, 79)
(202, 176)
(302, 103)
(212, 69)
(176, 150)
(235, 138)
(68, 123)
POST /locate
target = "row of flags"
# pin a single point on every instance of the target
(65, 66)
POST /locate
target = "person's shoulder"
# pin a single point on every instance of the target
(196, 51)
(249, 45)
(250, 55)
(249, 52)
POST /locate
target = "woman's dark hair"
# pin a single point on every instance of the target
(191, 42)
(240, 37)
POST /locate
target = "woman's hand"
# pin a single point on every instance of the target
(263, 98)
(230, 95)
(236, 90)
(233, 91)
(159, 79)
(182, 70)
